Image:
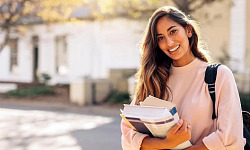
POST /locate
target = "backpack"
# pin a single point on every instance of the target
(210, 78)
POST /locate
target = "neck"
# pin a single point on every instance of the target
(184, 61)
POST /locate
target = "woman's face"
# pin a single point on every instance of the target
(173, 41)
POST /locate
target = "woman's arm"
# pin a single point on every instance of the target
(130, 139)
(229, 126)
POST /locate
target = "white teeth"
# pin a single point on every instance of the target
(171, 50)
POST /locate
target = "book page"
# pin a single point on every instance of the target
(145, 112)
(153, 101)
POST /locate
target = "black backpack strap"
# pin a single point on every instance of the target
(210, 78)
(246, 128)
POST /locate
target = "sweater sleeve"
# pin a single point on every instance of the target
(229, 125)
(130, 139)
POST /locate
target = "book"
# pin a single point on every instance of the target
(154, 117)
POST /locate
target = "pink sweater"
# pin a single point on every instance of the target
(193, 103)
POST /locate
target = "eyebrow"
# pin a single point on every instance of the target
(168, 29)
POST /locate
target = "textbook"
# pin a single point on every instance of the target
(154, 117)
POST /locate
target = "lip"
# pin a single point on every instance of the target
(176, 49)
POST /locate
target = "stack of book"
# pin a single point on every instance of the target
(154, 117)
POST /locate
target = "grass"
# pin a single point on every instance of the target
(119, 98)
(31, 92)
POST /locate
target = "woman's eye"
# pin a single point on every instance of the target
(173, 31)
(159, 38)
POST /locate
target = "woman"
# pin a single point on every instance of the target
(173, 68)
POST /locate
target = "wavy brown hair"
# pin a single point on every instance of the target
(153, 73)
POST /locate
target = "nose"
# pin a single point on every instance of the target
(169, 42)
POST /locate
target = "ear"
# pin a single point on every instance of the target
(189, 31)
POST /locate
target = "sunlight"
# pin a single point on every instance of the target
(39, 129)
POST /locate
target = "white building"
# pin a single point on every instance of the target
(70, 51)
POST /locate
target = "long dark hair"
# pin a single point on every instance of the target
(153, 73)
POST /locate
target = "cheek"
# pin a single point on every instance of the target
(161, 45)
(186, 42)
(184, 39)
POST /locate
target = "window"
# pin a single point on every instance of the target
(13, 55)
(61, 55)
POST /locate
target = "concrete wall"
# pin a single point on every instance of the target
(119, 79)
(96, 91)
(81, 92)
(102, 89)
(214, 21)
(247, 60)
(89, 91)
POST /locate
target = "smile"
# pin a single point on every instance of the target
(174, 49)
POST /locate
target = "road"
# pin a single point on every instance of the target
(29, 127)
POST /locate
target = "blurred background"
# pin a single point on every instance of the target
(66, 66)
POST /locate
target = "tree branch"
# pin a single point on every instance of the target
(201, 4)
(183, 5)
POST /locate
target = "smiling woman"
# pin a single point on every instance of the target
(173, 41)
(168, 29)
(173, 66)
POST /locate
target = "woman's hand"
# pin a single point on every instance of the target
(200, 146)
(180, 133)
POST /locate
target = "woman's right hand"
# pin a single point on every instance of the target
(180, 133)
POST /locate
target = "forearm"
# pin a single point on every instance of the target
(150, 143)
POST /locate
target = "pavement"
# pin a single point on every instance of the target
(36, 125)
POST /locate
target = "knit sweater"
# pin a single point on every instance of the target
(193, 102)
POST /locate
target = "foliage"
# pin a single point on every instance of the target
(14, 14)
(119, 97)
(245, 101)
(31, 92)
(190, 6)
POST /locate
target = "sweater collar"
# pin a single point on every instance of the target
(189, 67)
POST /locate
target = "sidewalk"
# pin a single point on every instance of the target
(38, 125)
(104, 109)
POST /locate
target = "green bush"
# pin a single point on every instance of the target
(118, 97)
(245, 101)
(31, 92)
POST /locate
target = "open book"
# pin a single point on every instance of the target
(154, 117)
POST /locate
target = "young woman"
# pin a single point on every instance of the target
(173, 68)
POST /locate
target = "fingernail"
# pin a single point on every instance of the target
(180, 122)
